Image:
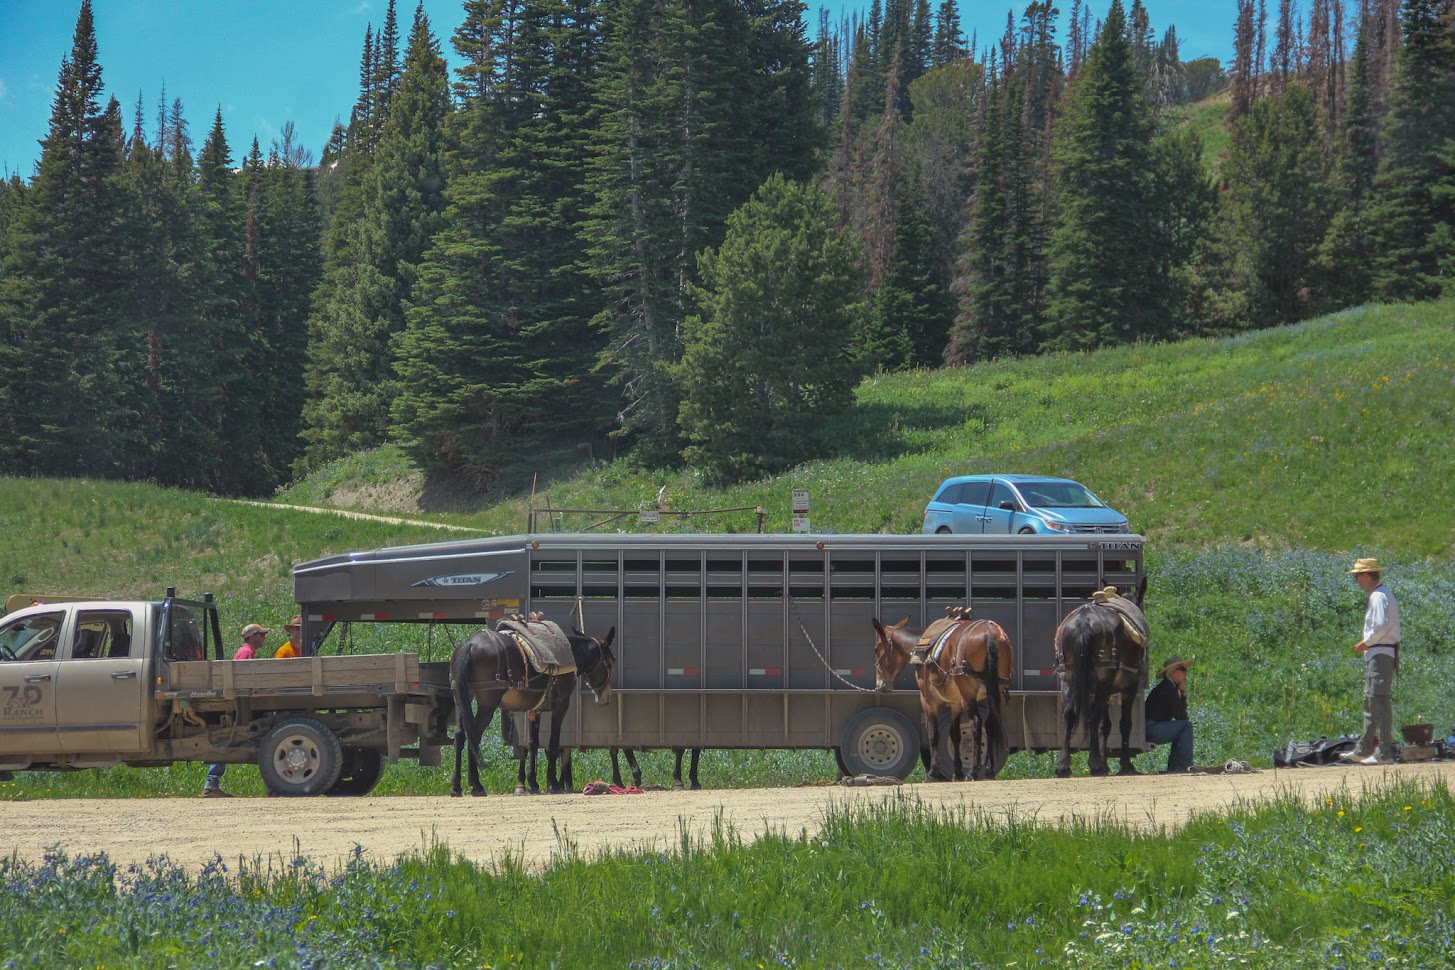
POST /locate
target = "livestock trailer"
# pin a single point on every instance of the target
(746, 641)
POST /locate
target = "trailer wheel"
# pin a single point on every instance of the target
(361, 770)
(880, 741)
(300, 757)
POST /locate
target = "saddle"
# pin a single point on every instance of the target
(932, 641)
(541, 642)
(1134, 621)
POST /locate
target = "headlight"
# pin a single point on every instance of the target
(1057, 526)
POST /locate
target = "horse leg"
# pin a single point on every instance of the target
(636, 769)
(1126, 767)
(957, 742)
(460, 732)
(932, 729)
(1098, 727)
(554, 784)
(532, 747)
(691, 772)
(1068, 724)
(568, 780)
(473, 735)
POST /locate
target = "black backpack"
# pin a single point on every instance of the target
(1320, 751)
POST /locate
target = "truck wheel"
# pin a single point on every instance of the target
(880, 741)
(300, 757)
(361, 771)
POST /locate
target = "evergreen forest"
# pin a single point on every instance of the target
(681, 232)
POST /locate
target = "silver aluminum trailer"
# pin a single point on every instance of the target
(746, 641)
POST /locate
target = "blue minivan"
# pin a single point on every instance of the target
(1018, 504)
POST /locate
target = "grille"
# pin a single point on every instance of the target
(1100, 528)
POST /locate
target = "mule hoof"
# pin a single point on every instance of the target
(521, 790)
(677, 786)
(1063, 772)
(696, 787)
(477, 792)
(455, 793)
(1128, 769)
(1099, 772)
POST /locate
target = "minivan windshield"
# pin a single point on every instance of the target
(1058, 495)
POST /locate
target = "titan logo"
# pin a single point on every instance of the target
(464, 579)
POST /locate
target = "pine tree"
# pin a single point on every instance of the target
(1279, 202)
(63, 285)
(699, 102)
(769, 356)
(371, 273)
(1413, 213)
(949, 42)
(1105, 287)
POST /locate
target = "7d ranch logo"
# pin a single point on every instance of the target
(21, 703)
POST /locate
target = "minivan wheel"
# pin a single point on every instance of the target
(1027, 531)
(943, 530)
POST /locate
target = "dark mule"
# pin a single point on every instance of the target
(1096, 659)
(969, 681)
(480, 673)
(631, 760)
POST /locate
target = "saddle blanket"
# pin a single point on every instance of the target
(545, 645)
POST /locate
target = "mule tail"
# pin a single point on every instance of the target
(1084, 688)
(995, 725)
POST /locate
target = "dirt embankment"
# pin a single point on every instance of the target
(194, 831)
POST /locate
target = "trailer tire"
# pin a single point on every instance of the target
(880, 741)
(300, 756)
(360, 772)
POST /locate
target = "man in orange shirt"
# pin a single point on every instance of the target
(290, 646)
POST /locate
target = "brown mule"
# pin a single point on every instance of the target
(967, 678)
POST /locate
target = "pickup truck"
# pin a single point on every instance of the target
(88, 683)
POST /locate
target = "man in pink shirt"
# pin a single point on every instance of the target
(253, 636)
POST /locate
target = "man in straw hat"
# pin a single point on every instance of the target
(290, 646)
(1380, 647)
(1166, 714)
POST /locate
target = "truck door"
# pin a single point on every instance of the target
(28, 666)
(101, 686)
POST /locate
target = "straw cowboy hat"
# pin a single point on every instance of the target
(1176, 663)
(294, 624)
(1366, 566)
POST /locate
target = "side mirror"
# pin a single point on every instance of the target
(1009, 506)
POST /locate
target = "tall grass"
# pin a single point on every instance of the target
(1348, 881)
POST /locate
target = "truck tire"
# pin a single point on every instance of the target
(300, 757)
(362, 768)
(880, 741)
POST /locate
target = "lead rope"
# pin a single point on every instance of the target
(827, 666)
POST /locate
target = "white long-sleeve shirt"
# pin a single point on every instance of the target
(1381, 623)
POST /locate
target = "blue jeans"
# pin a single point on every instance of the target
(214, 776)
(1179, 735)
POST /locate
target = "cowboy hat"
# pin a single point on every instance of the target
(252, 628)
(1366, 566)
(1175, 663)
(294, 624)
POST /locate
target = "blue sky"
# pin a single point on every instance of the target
(267, 62)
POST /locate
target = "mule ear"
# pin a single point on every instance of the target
(878, 627)
(903, 622)
(610, 638)
(1142, 590)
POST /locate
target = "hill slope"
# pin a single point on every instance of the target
(1325, 435)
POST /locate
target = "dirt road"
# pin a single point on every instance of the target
(194, 831)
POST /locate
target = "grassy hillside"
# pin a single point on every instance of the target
(1329, 435)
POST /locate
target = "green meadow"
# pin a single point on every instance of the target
(1256, 466)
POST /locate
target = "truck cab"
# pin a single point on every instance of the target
(76, 675)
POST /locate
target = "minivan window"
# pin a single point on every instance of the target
(950, 494)
(1002, 493)
(1060, 495)
(975, 493)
